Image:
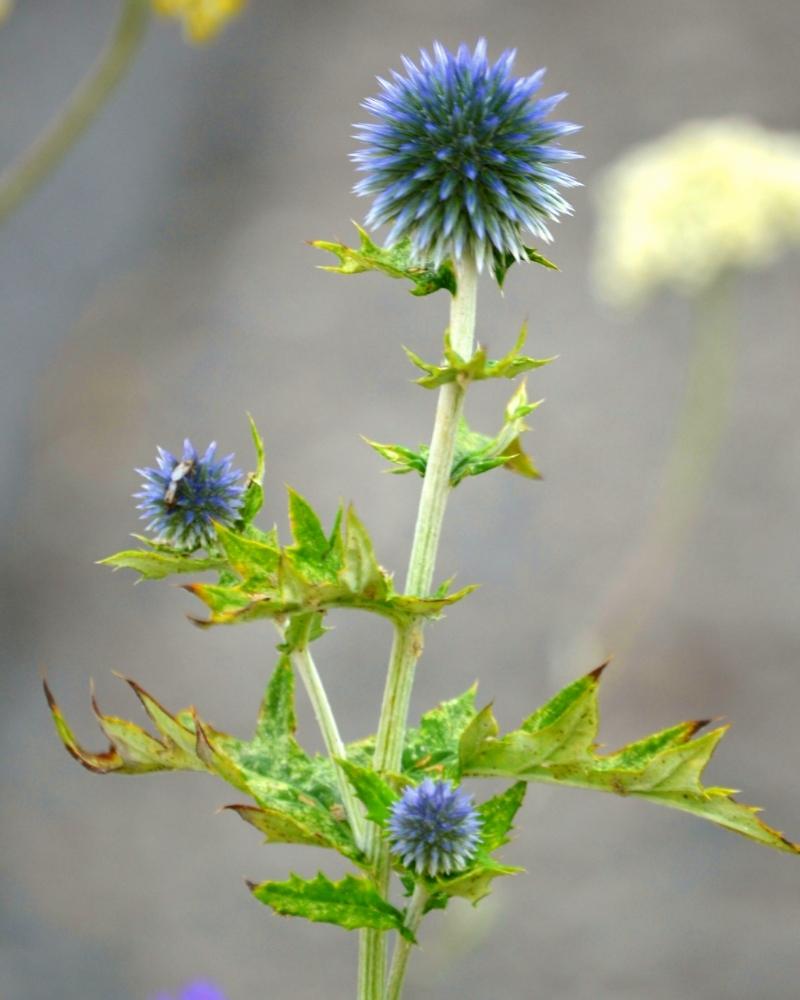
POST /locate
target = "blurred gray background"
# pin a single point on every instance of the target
(158, 286)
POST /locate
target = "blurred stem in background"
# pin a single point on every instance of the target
(688, 211)
(24, 176)
(649, 574)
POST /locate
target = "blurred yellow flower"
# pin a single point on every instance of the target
(202, 19)
(5, 9)
(706, 198)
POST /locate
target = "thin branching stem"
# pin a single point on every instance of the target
(303, 663)
(650, 572)
(402, 949)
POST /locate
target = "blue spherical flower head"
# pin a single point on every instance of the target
(462, 158)
(183, 497)
(434, 829)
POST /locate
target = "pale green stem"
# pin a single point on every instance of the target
(650, 572)
(402, 950)
(407, 645)
(21, 178)
(303, 663)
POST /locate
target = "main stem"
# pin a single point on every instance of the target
(648, 575)
(21, 178)
(407, 645)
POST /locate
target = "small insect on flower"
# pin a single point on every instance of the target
(182, 498)
(434, 829)
(182, 469)
(462, 158)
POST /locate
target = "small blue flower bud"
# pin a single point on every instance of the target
(434, 829)
(461, 159)
(182, 498)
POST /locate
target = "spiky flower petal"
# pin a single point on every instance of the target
(434, 829)
(182, 498)
(462, 159)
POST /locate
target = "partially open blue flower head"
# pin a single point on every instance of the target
(195, 991)
(462, 158)
(434, 829)
(183, 497)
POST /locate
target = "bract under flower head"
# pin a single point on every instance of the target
(462, 159)
(434, 829)
(182, 498)
(706, 198)
(202, 19)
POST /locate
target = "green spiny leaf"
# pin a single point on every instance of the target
(501, 268)
(254, 561)
(396, 261)
(432, 748)
(310, 541)
(477, 368)
(351, 903)
(158, 564)
(371, 789)
(406, 459)
(318, 572)
(497, 816)
(361, 572)
(473, 884)
(276, 716)
(302, 629)
(254, 491)
(296, 794)
(475, 453)
(557, 744)
(281, 827)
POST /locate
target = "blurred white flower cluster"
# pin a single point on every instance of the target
(706, 198)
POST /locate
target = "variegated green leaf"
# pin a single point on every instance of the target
(431, 749)
(296, 797)
(376, 795)
(351, 903)
(497, 816)
(156, 564)
(557, 744)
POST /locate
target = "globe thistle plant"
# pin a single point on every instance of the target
(183, 497)
(434, 829)
(462, 158)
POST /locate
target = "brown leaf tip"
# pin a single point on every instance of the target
(597, 673)
(51, 701)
